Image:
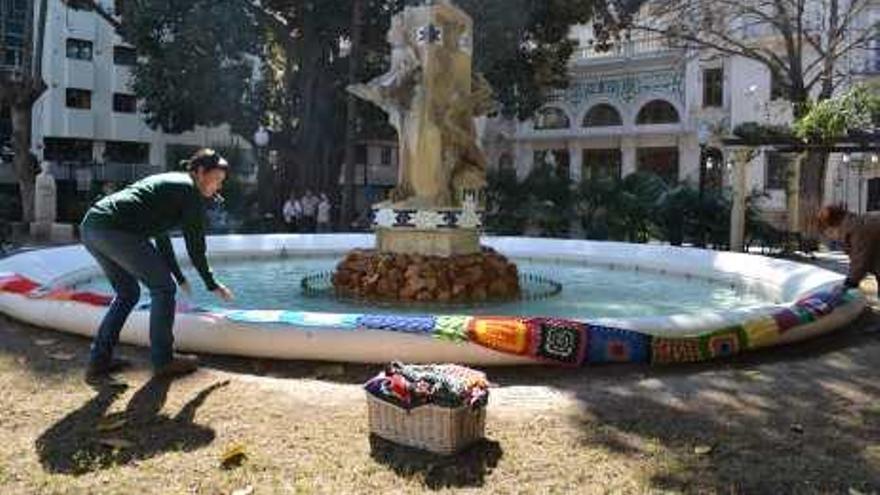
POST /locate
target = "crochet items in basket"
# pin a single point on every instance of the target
(445, 385)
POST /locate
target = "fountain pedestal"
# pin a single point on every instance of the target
(427, 231)
(436, 243)
(428, 234)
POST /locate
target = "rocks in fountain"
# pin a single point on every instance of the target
(373, 275)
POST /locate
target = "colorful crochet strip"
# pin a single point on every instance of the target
(551, 340)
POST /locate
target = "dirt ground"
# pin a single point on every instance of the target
(798, 419)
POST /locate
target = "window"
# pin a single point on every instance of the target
(657, 112)
(776, 171)
(873, 194)
(777, 90)
(123, 103)
(558, 160)
(79, 98)
(602, 115)
(79, 49)
(713, 87)
(386, 156)
(601, 164)
(67, 150)
(360, 154)
(127, 152)
(872, 58)
(123, 55)
(660, 161)
(11, 56)
(551, 118)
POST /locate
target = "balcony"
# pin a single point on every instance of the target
(626, 50)
(102, 172)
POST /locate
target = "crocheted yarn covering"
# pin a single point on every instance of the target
(550, 340)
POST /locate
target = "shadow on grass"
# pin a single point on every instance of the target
(467, 468)
(88, 439)
(798, 419)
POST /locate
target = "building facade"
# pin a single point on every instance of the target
(87, 123)
(644, 106)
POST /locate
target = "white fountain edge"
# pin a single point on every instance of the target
(206, 332)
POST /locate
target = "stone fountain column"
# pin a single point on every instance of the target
(432, 98)
(428, 232)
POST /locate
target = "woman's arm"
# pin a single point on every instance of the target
(163, 244)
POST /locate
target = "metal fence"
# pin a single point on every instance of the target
(84, 172)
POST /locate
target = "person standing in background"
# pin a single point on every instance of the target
(324, 209)
(310, 210)
(292, 213)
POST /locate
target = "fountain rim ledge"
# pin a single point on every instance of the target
(668, 338)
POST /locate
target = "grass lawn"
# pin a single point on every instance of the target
(798, 419)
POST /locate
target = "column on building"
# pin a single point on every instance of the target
(524, 159)
(99, 148)
(689, 158)
(157, 154)
(740, 160)
(627, 155)
(575, 162)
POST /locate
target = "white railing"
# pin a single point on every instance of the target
(117, 172)
(625, 49)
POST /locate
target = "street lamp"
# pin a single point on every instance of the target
(261, 140)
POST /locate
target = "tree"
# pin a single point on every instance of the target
(305, 47)
(20, 86)
(851, 114)
(805, 44)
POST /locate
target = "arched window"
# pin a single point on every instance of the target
(657, 112)
(551, 118)
(602, 115)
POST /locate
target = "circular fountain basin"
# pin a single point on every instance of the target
(619, 303)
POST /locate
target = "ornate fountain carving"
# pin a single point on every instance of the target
(431, 97)
(428, 232)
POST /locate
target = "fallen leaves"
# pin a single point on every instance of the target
(233, 457)
(116, 443)
(61, 356)
(110, 424)
(703, 449)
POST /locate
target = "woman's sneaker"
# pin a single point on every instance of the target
(181, 364)
(97, 370)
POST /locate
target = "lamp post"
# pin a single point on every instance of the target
(261, 140)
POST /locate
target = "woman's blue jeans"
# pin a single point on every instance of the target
(127, 259)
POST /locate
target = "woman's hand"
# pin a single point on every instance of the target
(224, 293)
(837, 294)
(185, 288)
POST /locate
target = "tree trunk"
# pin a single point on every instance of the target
(812, 192)
(348, 202)
(23, 162)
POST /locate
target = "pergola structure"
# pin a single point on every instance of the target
(739, 152)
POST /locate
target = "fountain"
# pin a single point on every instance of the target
(427, 234)
(621, 302)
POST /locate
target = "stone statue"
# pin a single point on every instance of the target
(45, 196)
(431, 97)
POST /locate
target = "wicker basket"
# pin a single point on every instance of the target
(441, 430)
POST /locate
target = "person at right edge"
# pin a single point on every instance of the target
(117, 231)
(860, 238)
